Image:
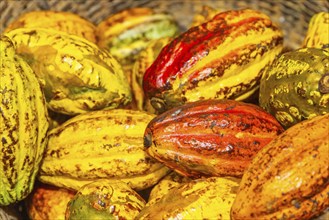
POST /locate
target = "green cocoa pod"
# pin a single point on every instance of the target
(296, 86)
(105, 199)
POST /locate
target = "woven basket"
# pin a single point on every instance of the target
(292, 15)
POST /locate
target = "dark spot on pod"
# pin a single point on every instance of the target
(324, 84)
(158, 104)
(147, 139)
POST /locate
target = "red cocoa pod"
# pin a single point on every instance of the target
(210, 137)
(223, 58)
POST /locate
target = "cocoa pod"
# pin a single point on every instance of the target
(210, 137)
(223, 58)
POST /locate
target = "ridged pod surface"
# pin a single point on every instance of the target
(288, 178)
(24, 125)
(105, 144)
(127, 32)
(144, 60)
(166, 184)
(209, 198)
(318, 31)
(105, 199)
(77, 75)
(296, 86)
(210, 137)
(223, 58)
(68, 22)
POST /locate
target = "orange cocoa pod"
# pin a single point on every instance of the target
(48, 202)
(210, 137)
(289, 178)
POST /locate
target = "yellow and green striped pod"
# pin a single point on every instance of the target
(24, 125)
(77, 75)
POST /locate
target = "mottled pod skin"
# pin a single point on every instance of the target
(105, 199)
(68, 22)
(204, 198)
(288, 178)
(24, 125)
(105, 144)
(125, 33)
(296, 86)
(77, 76)
(318, 31)
(48, 202)
(210, 137)
(222, 58)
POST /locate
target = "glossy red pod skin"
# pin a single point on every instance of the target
(223, 58)
(210, 137)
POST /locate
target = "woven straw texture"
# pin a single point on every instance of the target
(292, 15)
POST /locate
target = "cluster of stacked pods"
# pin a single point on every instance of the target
(135, 118)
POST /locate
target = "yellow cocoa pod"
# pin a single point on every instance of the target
(24, 125)
(318, 31)
(127, 32)
(209, 198)
(68, 22)
(143, 61)
(77, 75)
(106, 144)
(166, 184)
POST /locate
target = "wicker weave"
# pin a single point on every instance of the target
(292, 15)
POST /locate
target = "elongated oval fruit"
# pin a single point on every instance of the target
(127, 32)
(318, 31)
(210, 137)
(288, 178)
(105, 199)
(296, 86)
(24, 124)
(208, 198)
(68, 22)
(223, 58)
(105, 144)
(77, 75)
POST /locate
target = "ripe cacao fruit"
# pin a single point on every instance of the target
(126, 33)
(24, 124)
(105, 144)
(288, 178)
(166, 184)
(144, 60)
(48, 202)
(210, 137)
(223, 58)
(68, 22)
(77, 75)
(296, 86)
(209, 198)
(318, 31)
